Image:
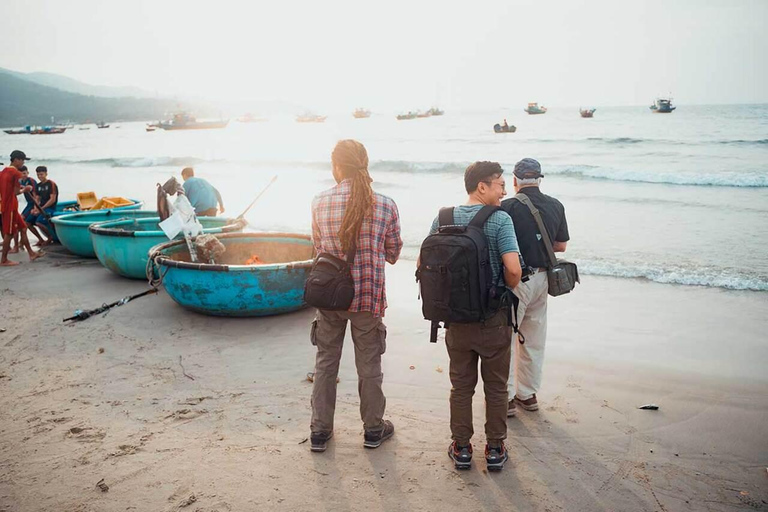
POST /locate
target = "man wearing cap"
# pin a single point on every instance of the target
(12, 222)
(528, 355)
(47, 196)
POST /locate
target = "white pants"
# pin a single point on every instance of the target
(528, 357)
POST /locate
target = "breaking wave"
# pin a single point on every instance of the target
(699, 276)
(148, 161)
(718, 179)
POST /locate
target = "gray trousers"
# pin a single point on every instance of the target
(369, 335)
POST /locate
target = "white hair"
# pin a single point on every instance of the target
(528, 181)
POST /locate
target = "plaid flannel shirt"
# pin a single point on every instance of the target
(379, 242)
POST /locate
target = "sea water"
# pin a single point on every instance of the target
(677, 198)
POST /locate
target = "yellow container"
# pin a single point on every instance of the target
(111, 202)
(86, 200)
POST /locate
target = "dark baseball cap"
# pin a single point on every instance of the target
(527, 169)
(18, 155)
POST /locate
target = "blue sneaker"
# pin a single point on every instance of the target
(460, 455)
(495, 457)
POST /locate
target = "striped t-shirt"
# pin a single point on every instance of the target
(498, 228)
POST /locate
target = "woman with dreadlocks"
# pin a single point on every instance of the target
(352, 218)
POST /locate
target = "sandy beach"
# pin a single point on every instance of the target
(178, 411)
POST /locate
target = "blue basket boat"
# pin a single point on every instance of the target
(72, 229)
(70, 207)
(231, 287)
(123, 246)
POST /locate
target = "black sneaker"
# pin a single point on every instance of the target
(460, 455)
(319, 441)
(495, 457)
(374, 438)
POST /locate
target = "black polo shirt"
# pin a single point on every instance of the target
(45, 191)
(552, 211)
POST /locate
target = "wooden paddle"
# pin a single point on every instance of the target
(274, 178)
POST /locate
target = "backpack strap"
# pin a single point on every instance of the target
(482, 216)
(445, 217)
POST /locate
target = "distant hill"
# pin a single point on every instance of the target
(24, 102)
(67, 84)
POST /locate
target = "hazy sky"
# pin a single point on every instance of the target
(402, 54)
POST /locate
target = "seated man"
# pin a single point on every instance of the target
(202, 195)
(47, 196)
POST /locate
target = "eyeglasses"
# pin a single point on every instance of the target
(503, 184)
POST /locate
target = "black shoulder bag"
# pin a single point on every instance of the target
(562, 275)
(330, 285)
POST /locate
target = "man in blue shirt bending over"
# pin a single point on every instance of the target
(202, 195)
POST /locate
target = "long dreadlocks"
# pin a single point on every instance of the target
(350, 161)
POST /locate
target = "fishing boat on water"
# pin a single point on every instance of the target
(409, 115)
(102, 124)
(662, 106)
(36, 130)
(534, 108)
(250, 118)
(587, 112)
(434, 111)
(362, 113)
(258, 274)
(310, 118)
(505, 128)
(186, 121)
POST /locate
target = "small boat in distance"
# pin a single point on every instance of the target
(534, 108)
(250, 118)
(151, 128)
(434, 111)
(505, 128)
(310, 118)
(102, 125)
(409, 115)
(361, 113)
(662, 106)
(37, 130)
(587, 112)
(185, 121)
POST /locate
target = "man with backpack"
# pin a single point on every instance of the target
(526, 368)
(466, 266)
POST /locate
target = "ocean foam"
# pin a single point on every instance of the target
(701, 276)
(716, 179)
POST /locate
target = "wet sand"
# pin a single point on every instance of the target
(178, 411)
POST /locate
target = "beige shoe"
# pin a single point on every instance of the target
(529, 405)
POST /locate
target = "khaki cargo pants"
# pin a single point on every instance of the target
(490, 343)
(369, 335)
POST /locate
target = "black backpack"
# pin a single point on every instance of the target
(455, 274)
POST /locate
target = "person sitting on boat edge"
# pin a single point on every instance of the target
(505, 125)
(47, 195)
(11, 221)
(202, 195)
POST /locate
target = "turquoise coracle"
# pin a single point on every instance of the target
(123, 246)
(230, 287)
(73, 233)
(67, 207)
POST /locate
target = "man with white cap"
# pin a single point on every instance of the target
(528, 354)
